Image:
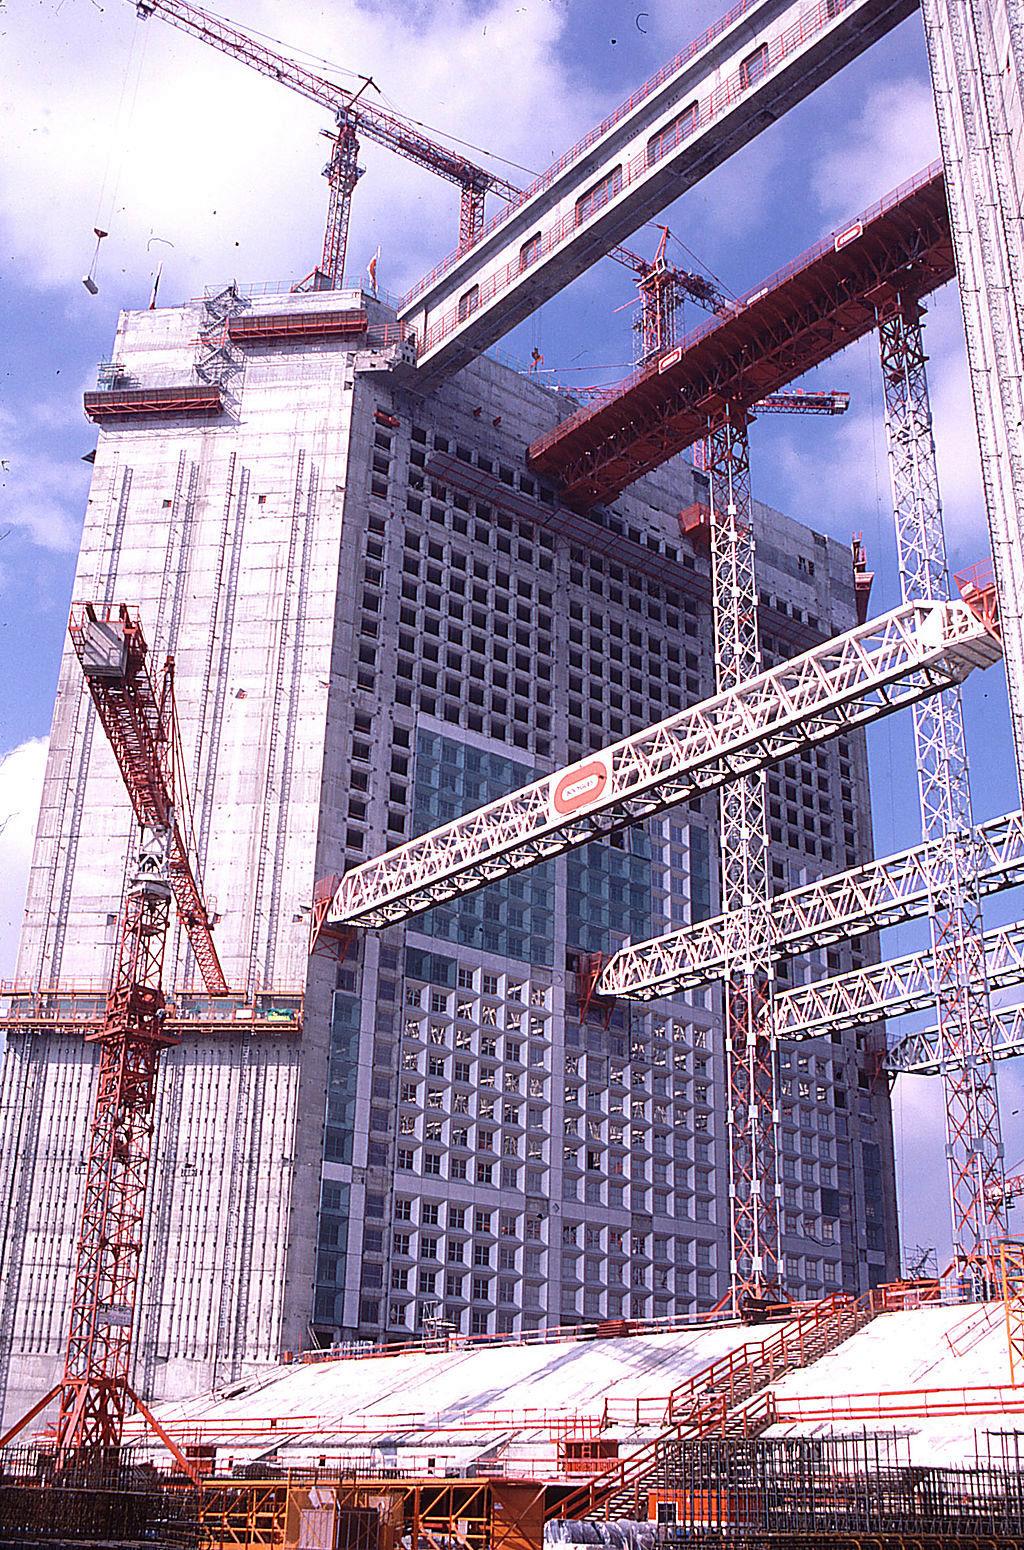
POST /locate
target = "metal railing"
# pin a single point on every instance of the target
(701, 1405)
(84, 1006)
(787, 272)
(829, 9)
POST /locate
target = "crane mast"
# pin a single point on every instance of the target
(750, 1048)
(353, 117)
(141, 725)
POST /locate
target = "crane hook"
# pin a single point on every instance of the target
(89, 280)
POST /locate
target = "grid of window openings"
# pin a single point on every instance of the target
(632, 652)
(503, 1108)
(476, 627)
(501, 1103)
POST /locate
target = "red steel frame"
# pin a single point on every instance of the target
(140, 729)
(97, 1363)
(796, 319)
(95, 1389)
(115, 403)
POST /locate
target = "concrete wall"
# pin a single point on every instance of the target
(226, 535)
(308, 573)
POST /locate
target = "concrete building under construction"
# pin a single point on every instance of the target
(379, 617)
(490, 722)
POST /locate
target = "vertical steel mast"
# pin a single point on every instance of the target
(141, 724)
(973, 1141)
(749, 1041)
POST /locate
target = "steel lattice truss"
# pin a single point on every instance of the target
(880, 893)
(749, 1044)
(973, 1140)
(98, 1359)
(142, 728)
(814, 307)
(891, 989)
(137, 724)
(922, 1054)
(903, 656)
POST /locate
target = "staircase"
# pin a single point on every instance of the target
(728, 1398)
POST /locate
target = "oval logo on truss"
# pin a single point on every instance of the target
(579, 787)
(671, 359)
(849, 235)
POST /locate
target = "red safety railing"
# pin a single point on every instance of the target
(977, 587)
(977, 1399)
(762, 1361)
(84, 1006)
(702, 1406)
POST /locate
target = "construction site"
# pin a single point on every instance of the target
(446, 1092)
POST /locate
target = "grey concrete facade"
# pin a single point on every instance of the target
(380, 618)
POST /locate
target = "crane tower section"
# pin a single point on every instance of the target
(142, 729)
(973, 1140)
(750, 1054)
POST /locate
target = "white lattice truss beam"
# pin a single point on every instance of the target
(888, 989)
(881, 893)
(921, 1053)
(895, 660)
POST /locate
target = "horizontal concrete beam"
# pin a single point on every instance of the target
(712, 99)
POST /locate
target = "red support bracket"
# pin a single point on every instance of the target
(328, 940)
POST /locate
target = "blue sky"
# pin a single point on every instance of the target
(187, 157)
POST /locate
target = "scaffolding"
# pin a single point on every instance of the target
(109, 1502)
(974, 1147)
(779, 1490)
(751, 1057)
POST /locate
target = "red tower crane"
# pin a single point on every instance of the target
(662, 286)
(141, 724)
(353, 117)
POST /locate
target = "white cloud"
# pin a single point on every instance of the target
(21, 784)
(894, 137)
(41, 495)
(203, 152)
(855, 492)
